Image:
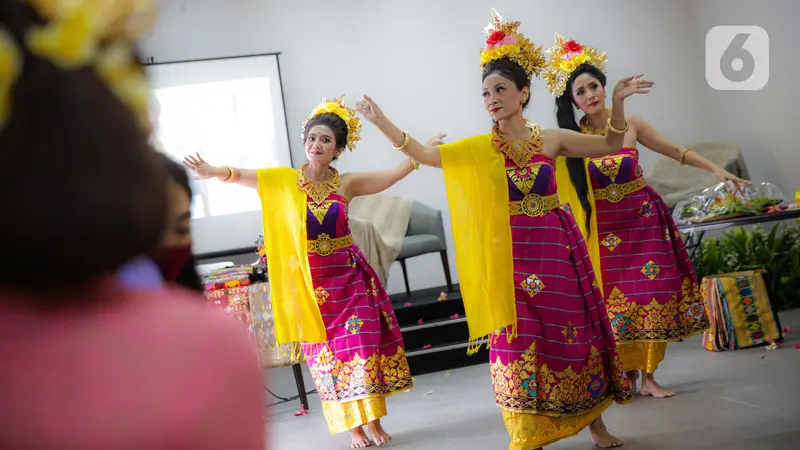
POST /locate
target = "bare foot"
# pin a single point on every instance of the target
(601, 437)
(651, 387)
(377, 432)
(359, 438)
(633, 377)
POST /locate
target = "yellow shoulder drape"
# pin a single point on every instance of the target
(568, 195)
(283, 206)
(477, 193)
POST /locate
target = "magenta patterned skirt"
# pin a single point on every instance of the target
(562, 370)
(651, 289)
(364, 356)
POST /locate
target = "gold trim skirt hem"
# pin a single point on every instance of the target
(532, 431)
(345, 416)
(641, 355)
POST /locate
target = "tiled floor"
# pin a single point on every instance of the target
(740, 400)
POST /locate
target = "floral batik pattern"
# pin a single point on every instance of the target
(657, 321)
(340, 379)
(527, 384)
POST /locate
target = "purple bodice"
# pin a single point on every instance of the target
(538, 177)
(620, 168)
(329, 218)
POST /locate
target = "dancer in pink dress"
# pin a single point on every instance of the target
(526, 276)
(649, 283)
(361, 360)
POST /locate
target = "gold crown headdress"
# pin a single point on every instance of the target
(504, 41)
(337, 107)
(565, 57)
(71, 39)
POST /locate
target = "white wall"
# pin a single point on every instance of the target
(419, 60)
(762, 122)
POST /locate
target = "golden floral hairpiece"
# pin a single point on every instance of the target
(121, 72)
(565, 57)
(337, 106)
(70, 40)
(504, 41)
(124, 20)
(96, 33)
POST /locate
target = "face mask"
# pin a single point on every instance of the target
(172, 260)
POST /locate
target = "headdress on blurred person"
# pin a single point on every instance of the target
(338, 107)
(503, 40)
(565, 57)
(79, 34)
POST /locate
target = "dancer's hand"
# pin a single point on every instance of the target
(631, 85)
(436, 141)
(201, 168)
(730, 179)
(369, 110)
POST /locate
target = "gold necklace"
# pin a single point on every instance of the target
(588, 129)
(319, 191)
(520, 152)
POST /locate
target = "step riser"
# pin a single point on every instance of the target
(447, 360)
(428, 313)
(435, 336)
(445, 336)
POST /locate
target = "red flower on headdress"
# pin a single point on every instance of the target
(572, 46)
(496, 37)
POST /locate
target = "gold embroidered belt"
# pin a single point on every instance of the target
(324, 245)
(534, 205)
(616, 192)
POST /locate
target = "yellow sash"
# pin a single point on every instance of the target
(477, 192)
(294, 304)
(568, 195)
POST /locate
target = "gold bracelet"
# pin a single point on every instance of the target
(406, 139)
(682, 156)
(230, 174)
(233, 175)
(614, 130)
(414, 164)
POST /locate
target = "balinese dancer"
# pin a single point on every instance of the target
(649, 284)
(324, 293)
(526, 276)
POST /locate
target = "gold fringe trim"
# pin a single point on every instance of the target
(294, 351)
(474, 345)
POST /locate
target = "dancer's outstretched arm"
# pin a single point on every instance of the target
(368, 183)
(423, 154)
(204, 170)
(647, 135)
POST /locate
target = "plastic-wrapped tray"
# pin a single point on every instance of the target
(723, 201)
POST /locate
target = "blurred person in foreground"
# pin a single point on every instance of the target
(172, 261)
(88, 364)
